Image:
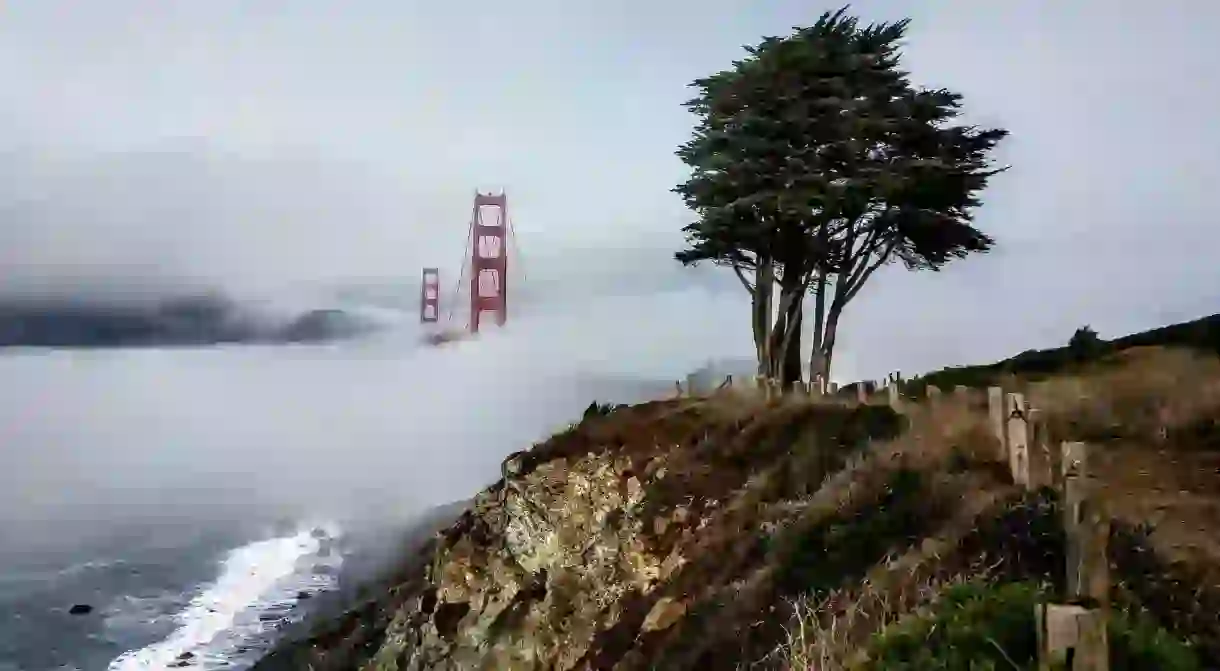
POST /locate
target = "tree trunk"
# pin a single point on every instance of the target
(790, 371)
(760, 321)
(826, 354)
(775, 343)
(819, 364)
(786, 362)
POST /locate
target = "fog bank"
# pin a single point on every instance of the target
(375, 426)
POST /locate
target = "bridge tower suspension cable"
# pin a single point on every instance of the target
(485, 257)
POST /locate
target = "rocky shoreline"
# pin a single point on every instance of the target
(365, 580)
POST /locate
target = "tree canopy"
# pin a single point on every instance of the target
(814, 162)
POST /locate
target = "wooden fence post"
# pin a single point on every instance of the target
(1042, 461)
(1017, 439)
(1087, 529)
(1073, 636)
(995, 413)
(816, 386)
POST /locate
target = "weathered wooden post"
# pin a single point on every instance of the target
(1073, 636)
(816, 386)
(1017, 439)
(995, 413)
(1041, 460)
(1087, 528)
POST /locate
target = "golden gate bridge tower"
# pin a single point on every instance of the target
(430, 296)
(485, 258)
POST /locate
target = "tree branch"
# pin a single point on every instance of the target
(881, 259)
(741, 276)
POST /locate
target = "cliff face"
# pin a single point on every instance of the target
(728, 532)
(621, 542)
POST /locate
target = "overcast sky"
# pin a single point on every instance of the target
(251, 144)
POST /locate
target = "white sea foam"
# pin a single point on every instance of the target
(258, 584)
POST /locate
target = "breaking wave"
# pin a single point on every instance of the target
(233, 619)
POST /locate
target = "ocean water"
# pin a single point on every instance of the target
(203, 596)
(200, 500)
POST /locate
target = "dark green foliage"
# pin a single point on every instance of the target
(1175, 595)
(986, 626)
(974, 626)
(596, 409)
(845, 546)
(1086, 345)
(1138, 643)
(815, 156)
(1200, 334)
(1025, 540)
(818, 140)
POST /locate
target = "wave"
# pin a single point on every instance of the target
(231, 619)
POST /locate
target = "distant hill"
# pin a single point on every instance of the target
(1200, 334)
(180, 321)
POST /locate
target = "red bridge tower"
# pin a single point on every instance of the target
(489, 260)
(486, 256)
(430, 296)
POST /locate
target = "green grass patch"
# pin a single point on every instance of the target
(978, 626)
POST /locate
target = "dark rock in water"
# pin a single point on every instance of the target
(80, 609)
(301, 596)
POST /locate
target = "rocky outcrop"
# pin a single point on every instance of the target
(617, 543)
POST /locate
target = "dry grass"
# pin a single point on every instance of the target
(1152, 411)
(825, 634)
(1144, 395)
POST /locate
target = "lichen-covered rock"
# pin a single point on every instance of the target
(567, 547)
(601, 542)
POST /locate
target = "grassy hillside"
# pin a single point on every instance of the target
(732, 531)
(1201, 335)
